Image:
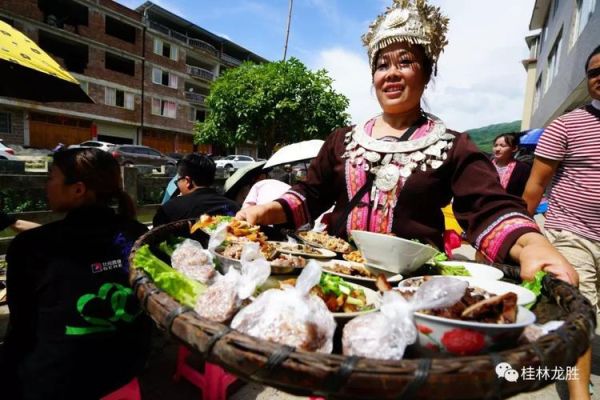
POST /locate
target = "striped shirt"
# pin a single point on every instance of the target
(574, 203)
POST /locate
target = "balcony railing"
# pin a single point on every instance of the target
(200, 73)
(229, 59)
(197, 43)
(195, 97)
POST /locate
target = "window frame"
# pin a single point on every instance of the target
(8, 122)
(160, 109)
(128, 98)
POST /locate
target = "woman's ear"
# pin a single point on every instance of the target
(79, 189)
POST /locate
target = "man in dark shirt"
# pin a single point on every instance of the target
(196, 173)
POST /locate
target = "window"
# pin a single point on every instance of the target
(5, 122)
(538, 93)
(165, 49)
(119, 64)
(555, 5)
(118, 98)
(197, 114)
(161, 77)
(553, 62)
(120, 30)
(164, 108)
(583, 13)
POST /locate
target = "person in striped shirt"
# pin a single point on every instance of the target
(569, 153)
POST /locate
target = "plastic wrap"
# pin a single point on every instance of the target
(386, 334)
(222, 300)
(193, 261)
(291, 316)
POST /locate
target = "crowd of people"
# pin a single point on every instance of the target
(391, 174)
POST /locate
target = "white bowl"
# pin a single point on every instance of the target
(392, 253)
(451, 336)
(524, 296)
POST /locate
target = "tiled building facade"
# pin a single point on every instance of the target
(565, 33)
(147, 70)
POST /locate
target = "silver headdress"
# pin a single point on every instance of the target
(411, 21)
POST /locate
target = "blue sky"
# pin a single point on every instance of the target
(480, 81)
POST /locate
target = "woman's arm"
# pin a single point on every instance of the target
(534, 253)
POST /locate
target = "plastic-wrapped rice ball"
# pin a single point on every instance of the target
(192, 260)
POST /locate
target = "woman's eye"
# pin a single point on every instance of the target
(406, 62)
(382, 67)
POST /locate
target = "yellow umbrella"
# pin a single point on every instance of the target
(29, 73)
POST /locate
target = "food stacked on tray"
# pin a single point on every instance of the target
(302, 310)
(221, 292)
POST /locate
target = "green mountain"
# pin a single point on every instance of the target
(484, 136)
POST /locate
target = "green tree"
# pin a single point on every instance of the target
(272, 103)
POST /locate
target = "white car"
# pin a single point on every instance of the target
(95, 144)
(6, 153)
(234, 161)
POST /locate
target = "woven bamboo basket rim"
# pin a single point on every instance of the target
(341, 377)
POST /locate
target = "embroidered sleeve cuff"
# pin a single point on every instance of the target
(495, 242)
(296, 210)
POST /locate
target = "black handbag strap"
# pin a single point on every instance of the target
(341, 221)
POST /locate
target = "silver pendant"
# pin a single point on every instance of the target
(435, 164)
(432, 151)
(386, 160)
(366, 167)
(401, 158)
(417, 156)
(372, 156)
(405, 172)
(423, 167)
(387, 177)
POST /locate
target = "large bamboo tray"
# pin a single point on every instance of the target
(337, 376)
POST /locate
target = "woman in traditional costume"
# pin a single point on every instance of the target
(394, 173)
(512, 172)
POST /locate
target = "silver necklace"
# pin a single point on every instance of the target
(391, 161)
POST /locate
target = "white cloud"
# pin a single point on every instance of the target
(351, 74)
(481, 80)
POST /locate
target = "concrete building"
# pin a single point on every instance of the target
(147, 70)
(566, 33)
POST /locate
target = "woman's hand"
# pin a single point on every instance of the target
(535, 253)
(264, 214)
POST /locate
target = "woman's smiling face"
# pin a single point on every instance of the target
(399, 78)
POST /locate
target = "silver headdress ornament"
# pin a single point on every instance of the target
(411, 21)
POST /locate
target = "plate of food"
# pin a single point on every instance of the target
(354, 256)
(483, 319)
(524, 296)
(460, 268)
(326, 241)
(356, 271)
(345, 300)
(237, 230)
(300, 249)
(474, 270)
(228, 255)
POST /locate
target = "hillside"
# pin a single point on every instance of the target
(484, 136)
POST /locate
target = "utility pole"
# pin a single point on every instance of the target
(287, 33)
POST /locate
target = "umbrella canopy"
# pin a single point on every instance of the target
(29, 73)
(242, 176)
(295, 152)
(531, 137)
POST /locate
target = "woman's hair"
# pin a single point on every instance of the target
(594, 52)
(427, 63)
(100, 173)
(511, 139)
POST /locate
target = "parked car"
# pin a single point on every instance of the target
(93, 143)
(234, 161)
(131, 154)
(175, 156)
(6, 153)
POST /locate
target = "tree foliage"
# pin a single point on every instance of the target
(484, 136)
(272, 103)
